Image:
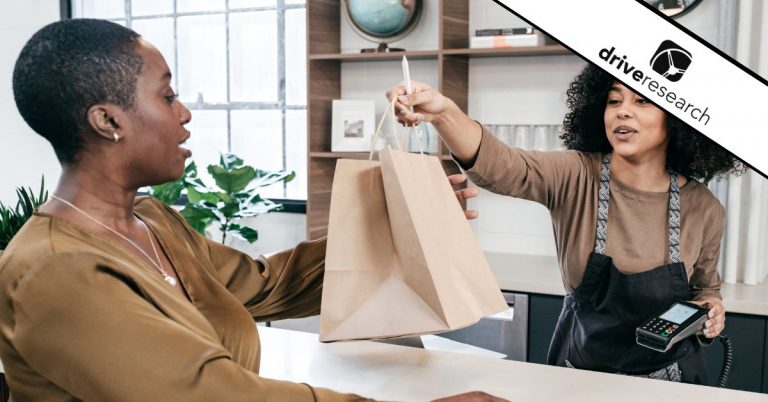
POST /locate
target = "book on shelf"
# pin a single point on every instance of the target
(501, 41)
(504, 31)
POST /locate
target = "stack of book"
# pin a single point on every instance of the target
(506, 37)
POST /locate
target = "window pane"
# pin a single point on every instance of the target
(253, 55)
(98, 9)
(296, 152)
(151, 7)
(233, 4)
(209, 138)
(295, 57)
(189, 6)
(289, 2)
(258, 139)
(202, 58)
(159, 32)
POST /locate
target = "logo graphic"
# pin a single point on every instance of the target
(671, 60)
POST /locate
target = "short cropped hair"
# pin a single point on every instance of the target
(69, 66)
(689, 152)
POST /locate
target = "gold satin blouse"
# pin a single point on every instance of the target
(83, 319)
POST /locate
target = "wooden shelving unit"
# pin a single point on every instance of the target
(324, 60)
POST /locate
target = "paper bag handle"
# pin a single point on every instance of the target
(390, 112)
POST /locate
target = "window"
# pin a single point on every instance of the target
(239, 66)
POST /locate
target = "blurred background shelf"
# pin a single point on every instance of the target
(359, 155)
(509, 51)
(412, 55)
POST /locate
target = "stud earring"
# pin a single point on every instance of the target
(116, 136)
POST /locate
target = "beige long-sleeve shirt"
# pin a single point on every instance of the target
(83, 319)
(567, 184)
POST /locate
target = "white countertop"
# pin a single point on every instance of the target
(541, 274)
(391, 372)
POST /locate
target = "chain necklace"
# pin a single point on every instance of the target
(171, 280)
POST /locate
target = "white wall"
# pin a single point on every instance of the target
(24, 155)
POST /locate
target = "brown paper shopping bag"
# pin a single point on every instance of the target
(401, 258)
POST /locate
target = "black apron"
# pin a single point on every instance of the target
(596, 328)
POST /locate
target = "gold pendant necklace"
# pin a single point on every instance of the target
(171, 280)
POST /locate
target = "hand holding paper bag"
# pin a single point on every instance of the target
(401, 257)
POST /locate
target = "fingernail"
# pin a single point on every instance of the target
(707, 324)
(403, 111)
(403, 98)
(421, 117)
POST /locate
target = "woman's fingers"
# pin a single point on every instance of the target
(471, 214)
(464, 194)
(458, 178)
(715, 323)
(417, 107)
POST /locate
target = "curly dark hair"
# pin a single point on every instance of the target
(69, 66)
(689, 152)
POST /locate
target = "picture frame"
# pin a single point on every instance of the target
(353, 125)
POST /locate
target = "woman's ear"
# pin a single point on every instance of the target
(103, 120)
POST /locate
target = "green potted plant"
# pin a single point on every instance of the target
(234, 197)
(12, 219)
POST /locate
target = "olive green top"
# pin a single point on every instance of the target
(83, 319)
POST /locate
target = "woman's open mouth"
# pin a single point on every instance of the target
(623, 133)
(187, 152)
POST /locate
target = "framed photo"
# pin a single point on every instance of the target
(353, 125)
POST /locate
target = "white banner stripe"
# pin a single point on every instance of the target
(713, 94)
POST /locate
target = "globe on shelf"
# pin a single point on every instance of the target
(382, 21)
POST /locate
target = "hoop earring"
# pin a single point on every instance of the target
(116, 136)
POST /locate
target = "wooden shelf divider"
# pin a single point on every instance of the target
(545, 50)
(412, 55)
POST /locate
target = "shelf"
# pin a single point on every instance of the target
(338, 155)
(357, 155)
(434, 54)
(412, 55)
(510, 51)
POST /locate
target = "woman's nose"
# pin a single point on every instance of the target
(186, 115)
(624, 112)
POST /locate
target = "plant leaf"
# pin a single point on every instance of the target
(269, 178)
(230, 209)
(230, 161)
(11, 220)
(169, 192)
(195, 195)
(198, 216)
(244, 233)
(234, 180)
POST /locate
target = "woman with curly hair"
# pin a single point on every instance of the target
(632, 168)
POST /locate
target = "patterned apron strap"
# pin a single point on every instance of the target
(602, 205)
(673, 218)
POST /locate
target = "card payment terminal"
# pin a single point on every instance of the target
(678, 322)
